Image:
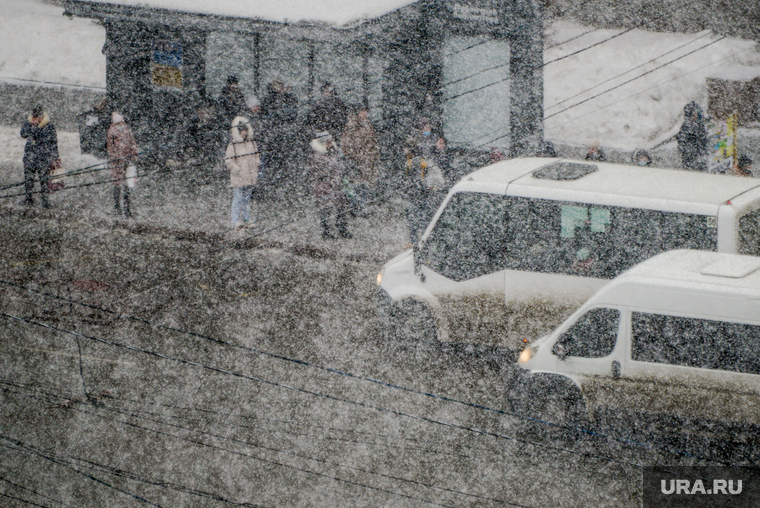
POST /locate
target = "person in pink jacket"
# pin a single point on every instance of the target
(242, 159)
(122, 151)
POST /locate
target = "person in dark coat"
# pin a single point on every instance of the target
(231, 101)
(40, 151)
(744, 167)
(423, 191)
(327, 172)
(122, 151)
(282, 150)
(692, 139)
(595, 153)
(641, 157)
(329, 113)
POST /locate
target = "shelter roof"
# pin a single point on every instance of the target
(332, 12)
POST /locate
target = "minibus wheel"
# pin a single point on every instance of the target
(549, 402)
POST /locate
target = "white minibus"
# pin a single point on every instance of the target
(674, 340)
(517, 246)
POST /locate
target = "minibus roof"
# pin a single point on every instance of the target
(704, 268)
(610, 182)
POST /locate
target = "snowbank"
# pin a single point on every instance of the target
(645, 111)
(38, 44)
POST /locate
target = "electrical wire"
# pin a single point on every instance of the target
(121, 473)
(650, 88)
(582, 431)
(23, 500)
(634, 79)
(261, 459)
(31, 450)
(328, 396)
(311, 424)
(572, 39)
(705, 34)
(21, 487)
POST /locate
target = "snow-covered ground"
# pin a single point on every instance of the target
(645, 111)
(641, 113)
(38, 43)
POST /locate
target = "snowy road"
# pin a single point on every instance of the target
(224, 383)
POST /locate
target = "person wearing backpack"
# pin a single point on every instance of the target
(242, 158)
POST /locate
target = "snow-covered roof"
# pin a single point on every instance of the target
(336, 12)
(702, 267)
(624, 185)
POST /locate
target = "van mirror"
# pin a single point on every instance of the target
(559, 351)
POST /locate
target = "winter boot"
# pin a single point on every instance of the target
(343, 231)
(326, 233)
(127, 211)
(117, 199)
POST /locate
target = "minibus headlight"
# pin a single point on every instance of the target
(380, 276)
(526, 355)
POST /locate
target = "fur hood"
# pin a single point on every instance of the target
(235, 132)
(317, 146)
(43, 123)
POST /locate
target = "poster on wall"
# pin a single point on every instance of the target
(166, 65)
(721, 139)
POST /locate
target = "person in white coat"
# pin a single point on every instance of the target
(242, 159)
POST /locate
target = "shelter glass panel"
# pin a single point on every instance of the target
(476, 85)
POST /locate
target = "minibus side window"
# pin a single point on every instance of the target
(470, 237)
(593, 335)
(749, 234)
(694, 342)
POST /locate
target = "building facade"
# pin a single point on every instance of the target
(473, 67)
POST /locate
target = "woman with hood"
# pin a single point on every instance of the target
(242, 158)
(360, 146)
(122, 151)
(40, 151)
(692, 139)
(327, 185)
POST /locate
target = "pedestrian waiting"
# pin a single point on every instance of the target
(327, 171)
(744, 166)
(242, 158)
(40, 152)
(362, 152)
(122, 153)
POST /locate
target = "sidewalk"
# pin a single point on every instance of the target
(194, 201)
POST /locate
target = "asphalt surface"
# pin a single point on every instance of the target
(164, 361)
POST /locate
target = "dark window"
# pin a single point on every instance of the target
(480, 233)
(749, 234)
(470, 237)
(594, 335)
(692, 342)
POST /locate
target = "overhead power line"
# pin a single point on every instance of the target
(633, 79)
(706, 33)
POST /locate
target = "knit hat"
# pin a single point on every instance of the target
(252, 102)
(324, 137)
